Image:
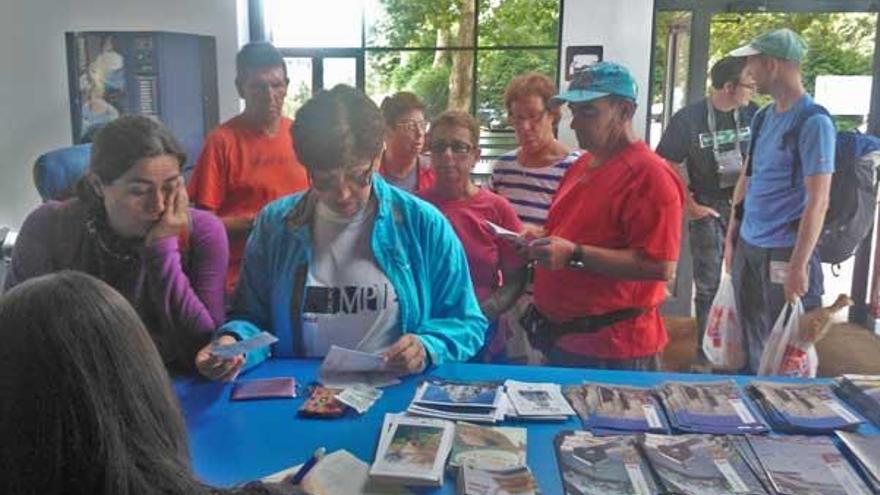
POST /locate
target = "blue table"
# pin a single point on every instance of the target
(238, 441)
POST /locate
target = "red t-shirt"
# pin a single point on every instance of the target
(486, 253)
(239, 171)
(634, 200)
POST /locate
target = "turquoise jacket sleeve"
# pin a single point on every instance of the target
(251, 313)
(454, 329)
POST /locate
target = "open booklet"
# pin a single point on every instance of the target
(412, 451)
(337, 473)
(343, 368)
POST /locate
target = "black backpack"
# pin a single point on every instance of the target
(853, 195)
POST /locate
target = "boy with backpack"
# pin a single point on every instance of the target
(786, 191)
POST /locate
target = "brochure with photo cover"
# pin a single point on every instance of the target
(412, 451)
(866, 451)
(862, 392)
(459, 394)
(610, 465)
(700, 465)
(802, 465)
(616, 409)
(802, 407)
(488, 447)
(715, 407)
(538, 400)
(473, 480)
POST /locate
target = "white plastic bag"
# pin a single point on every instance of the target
(786, 353)
(723, 338)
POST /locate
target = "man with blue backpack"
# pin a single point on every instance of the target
(786, 189)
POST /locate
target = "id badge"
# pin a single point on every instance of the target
(729, 166)
(778, 270)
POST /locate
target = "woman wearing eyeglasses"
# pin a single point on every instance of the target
(529, 175)
(353, 261)
(405, 126)
(498, 273)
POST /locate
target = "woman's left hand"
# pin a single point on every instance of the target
(175, 217)
(407, 355)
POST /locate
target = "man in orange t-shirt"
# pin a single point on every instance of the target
(249, 160)
(613, 235)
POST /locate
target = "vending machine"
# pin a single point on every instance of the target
(170, 76)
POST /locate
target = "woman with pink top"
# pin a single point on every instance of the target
(497, 272)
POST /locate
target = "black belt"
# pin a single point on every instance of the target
(543, 333)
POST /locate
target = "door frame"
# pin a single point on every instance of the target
(679, 303)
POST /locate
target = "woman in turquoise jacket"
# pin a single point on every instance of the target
(352, 261)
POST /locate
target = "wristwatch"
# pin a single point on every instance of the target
(577, 258)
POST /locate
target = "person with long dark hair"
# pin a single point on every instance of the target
(131, 226)
(86, 407)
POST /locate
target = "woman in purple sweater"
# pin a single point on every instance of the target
(130, 226)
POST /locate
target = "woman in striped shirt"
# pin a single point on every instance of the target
(529, 175)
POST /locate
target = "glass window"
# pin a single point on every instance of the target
(502, 23)
(318, 24)
(299, 71)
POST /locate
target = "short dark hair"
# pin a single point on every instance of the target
(255, 56)
(456, 118)
(398, 104)
(728, 69)
(119, 145)
(337, 128)
(86, 405)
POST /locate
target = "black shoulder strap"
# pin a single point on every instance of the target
(757, 123)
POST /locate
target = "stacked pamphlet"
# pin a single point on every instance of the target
(538, 400)
(806, 465)
(717, 407)
(592, 465)
(615, 409)
(866, 452)
(412, 451)
(488, 447)
(862, 392)
(475, 480)
(802, 407)
(475, 402)
(700, 464)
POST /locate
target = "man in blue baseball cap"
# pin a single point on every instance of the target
(771, 249)
(612, 236)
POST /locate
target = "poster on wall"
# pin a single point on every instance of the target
(579, 56)
(101, 80)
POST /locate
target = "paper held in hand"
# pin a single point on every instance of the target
(258, 341)
(509, 235)
(343, 368)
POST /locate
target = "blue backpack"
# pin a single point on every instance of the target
(853, 196)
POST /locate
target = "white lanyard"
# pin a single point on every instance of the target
(711, 122)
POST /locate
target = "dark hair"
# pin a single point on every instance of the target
(119, 145)
(455, 118)
(398, 104)
(255, 56)
(337, 128)
(86, 405)
(728, 69)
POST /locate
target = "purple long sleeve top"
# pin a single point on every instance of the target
(177, 291)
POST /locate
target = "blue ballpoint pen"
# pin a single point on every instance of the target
(309, 464)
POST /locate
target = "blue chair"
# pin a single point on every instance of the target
(56, 172)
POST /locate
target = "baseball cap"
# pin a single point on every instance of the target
(597, 81)
(782, 43)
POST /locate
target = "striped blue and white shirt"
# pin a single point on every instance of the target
(530, 190)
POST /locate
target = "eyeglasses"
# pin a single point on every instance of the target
(412, 125)
(355, 177)
(515, 120)
(457, 147)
